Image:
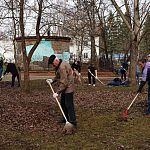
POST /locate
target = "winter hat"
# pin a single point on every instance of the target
(51, 59)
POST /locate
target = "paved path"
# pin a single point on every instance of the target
(46, 76)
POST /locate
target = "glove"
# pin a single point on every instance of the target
(55, 95)
(96, 77)
(49, 80)
(141, 86)
(79, 74)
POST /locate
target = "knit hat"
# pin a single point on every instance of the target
(51, 59)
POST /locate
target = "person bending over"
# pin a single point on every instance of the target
(11, 68)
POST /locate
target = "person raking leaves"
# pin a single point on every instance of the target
(11, 67)
(92, 74)
(76, 67)
(146, 78)
(65, 88)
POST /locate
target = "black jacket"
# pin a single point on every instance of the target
(92, 68)
(76, 66)
(11, 67)
(125, 65)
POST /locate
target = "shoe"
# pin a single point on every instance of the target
(89, 84)
(93, 84)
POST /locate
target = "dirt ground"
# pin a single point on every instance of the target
(30, 121)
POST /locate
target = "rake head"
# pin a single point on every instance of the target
(124, 115)
(68, 129)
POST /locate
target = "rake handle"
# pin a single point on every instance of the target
(95, 77)
(57, 102)
(133, 101)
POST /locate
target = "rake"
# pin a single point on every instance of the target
(68, 126)
(96, 78)
(124, 114)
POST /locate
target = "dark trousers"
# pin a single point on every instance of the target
(148, 109)
(13, 79)
(68, 107)
(91, 78)
(1, 72)
(123, 74)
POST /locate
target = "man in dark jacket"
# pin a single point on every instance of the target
(11, 67)
(92, 74)
(124, 70)
(65, 87)
(146, 78)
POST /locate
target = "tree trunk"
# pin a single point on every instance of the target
(105, 43)
(135, 42)
(93, 50)
(133, 60)
(25, 59)
(82, 45)
(26, 77)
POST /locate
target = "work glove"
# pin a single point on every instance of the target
(50, 80)
(55, 95)
(141, 86)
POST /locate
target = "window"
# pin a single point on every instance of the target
(85, 55)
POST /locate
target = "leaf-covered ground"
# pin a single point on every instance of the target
(30, 121)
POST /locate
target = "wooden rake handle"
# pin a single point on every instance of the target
(133, 101)
(96, 78)
(57, 100)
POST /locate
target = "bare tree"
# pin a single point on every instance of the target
(134, 23)
(27, 58)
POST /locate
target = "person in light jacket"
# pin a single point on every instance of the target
(146, 78)
(65, 87)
